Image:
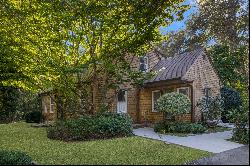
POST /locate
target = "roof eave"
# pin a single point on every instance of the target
(168, 82)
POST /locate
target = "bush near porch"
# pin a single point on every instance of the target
(179, 127)
(173, 104)
(101, 126)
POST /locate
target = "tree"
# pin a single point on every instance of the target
(231, 66)
(217, 21)
(80, 47)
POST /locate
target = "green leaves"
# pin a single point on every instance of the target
(231, 65)
(174, 103)
(72, 45)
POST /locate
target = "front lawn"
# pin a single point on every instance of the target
(131, 150)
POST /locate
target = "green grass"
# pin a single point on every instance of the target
(130, 150)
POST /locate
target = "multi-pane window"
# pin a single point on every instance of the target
(184, 90)
(155, 96)
(144, 65)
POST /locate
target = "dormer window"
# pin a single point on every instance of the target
(144, 67)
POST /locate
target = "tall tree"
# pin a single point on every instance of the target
(216, 21)
(83, 45)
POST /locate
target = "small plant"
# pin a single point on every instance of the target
(33, 117)
(8, 157)
(173, 104)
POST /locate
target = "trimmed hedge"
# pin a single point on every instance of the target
(33, 117)
(179, 127)
(9, 157)
(100, 126)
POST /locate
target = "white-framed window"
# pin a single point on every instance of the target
(52, 106)
(144, 64)
(155, 96)
(184, 90)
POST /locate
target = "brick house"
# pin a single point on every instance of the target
(190, 73)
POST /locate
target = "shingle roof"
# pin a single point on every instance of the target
(174, 67)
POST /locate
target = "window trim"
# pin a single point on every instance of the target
(51, 104)
(184, 87)
(152, 100)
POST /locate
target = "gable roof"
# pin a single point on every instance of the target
(175, 67)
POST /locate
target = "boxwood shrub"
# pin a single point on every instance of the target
(101, 126)
(9, 157)
(179, 127)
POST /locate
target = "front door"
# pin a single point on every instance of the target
(122, 101)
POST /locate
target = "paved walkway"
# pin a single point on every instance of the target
(238, 156)
(213, 142)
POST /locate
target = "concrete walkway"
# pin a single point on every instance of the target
(237, 156)
(213, 142)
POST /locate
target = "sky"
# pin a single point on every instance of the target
(178, 25)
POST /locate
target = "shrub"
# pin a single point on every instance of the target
(179, 127)
(240, 118)
(231, 98)
(14, 103)
(8, 157)
(33, 117)
(211, 108)
(9, 103)
(101, 126)
(174, 104)
(241, 135)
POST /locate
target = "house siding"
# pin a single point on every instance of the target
(140, 100)
(202, 72)
(146, 113)
(132, 92)
(47, 114)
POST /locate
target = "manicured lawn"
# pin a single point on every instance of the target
(131, 150)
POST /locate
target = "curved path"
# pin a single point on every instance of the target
(212, 142)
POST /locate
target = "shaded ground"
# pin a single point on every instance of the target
(237, 156)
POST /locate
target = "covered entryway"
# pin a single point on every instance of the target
(122, 101)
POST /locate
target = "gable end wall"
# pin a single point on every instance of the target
(202, 72)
